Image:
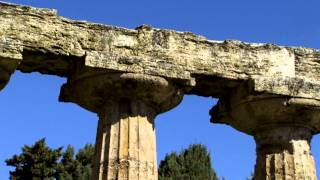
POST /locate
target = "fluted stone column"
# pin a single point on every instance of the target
(284, 153)
(126, 142)
(282, 128)
(127, 105)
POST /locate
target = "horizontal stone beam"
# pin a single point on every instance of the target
(52, 45)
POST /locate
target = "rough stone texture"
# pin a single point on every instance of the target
(129, 76)
(282, 127)
(51, 44)
(127, 104)
(284, 153)
(10, 57)
(93, 89)
(262, 110)
(126, 142)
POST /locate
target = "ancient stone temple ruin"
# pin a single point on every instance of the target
(129, 76)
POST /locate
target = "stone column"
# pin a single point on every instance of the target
(127, 105)
(284, 153)
(282, 128)
(126, 142)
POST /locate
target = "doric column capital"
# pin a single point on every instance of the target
(10, 58)
(6, 69)
(4, 77)
(251, 112)
(94, 89)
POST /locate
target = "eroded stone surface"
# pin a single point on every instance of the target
(129, 76)
(126, 142)
(282, 127)
(249, 111)
(10, 57)
(93, 89)
(127, 104)
(284, 153)
(51, 44)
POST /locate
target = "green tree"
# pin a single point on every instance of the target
(78, 168)
(67, 167)
(85, 158)
(39, 162)
(190, 164)
(36, 162)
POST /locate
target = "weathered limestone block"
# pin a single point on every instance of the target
(52, 44)
(127, 105)
(282, 128)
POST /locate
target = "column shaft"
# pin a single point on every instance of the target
(283, 153)
(126, 142)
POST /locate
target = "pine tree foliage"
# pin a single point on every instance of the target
(190, 164)
(36, 162)
(85, 157)
(78, 168)
(39, 162)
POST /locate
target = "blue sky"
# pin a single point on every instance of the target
(30, 109)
